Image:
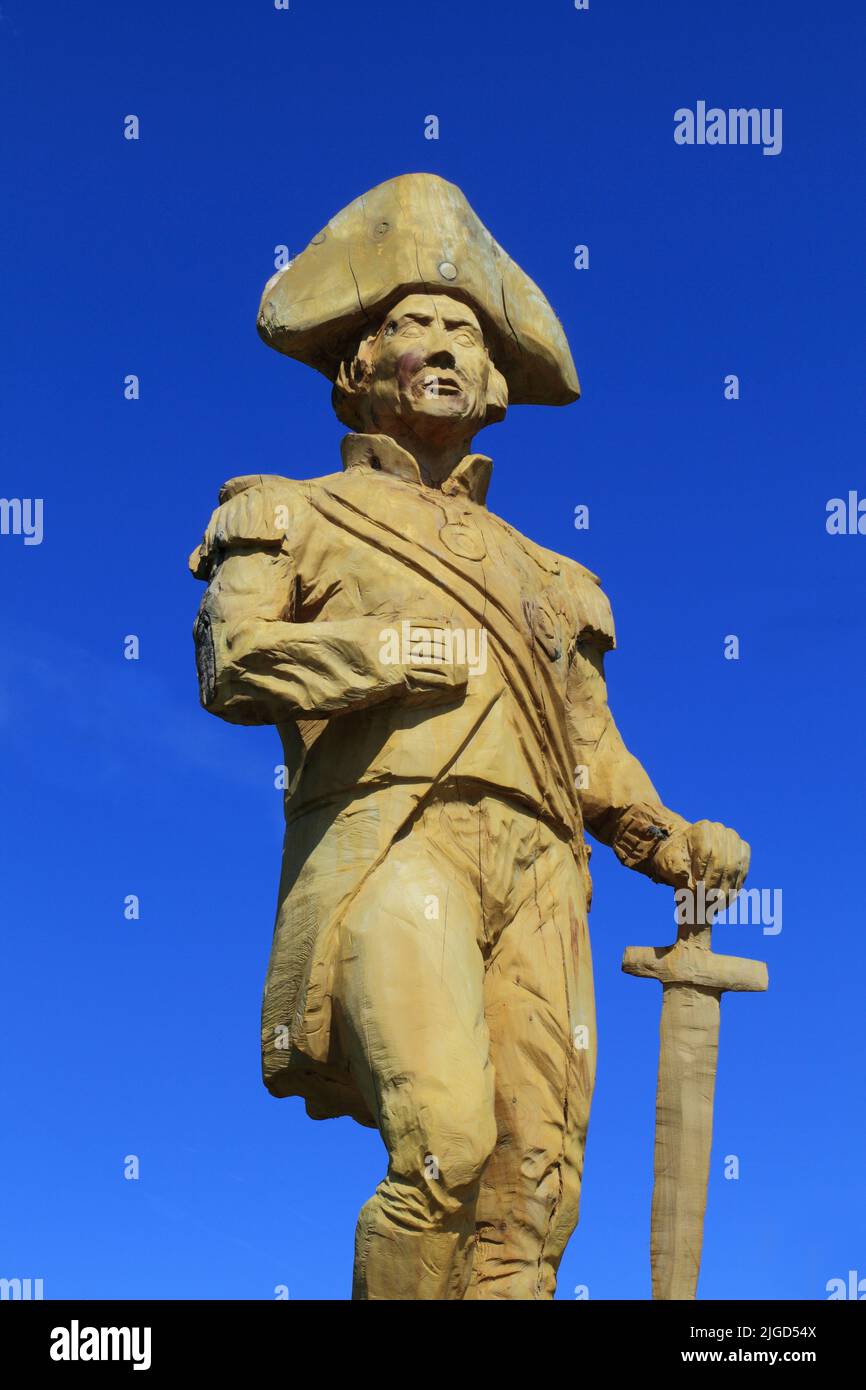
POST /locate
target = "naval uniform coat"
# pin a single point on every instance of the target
(308, 583)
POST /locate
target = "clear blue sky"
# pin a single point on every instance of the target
(707, 518)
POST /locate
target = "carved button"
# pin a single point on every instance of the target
(465, 541)
(447, 270)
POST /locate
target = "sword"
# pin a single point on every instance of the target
(693, 980)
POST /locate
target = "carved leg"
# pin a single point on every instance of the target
(541, 1014)
(411, 988)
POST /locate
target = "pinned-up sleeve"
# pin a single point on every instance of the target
(255, 664)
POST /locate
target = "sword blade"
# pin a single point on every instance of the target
(684, 1130)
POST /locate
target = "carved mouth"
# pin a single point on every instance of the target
(435, 385)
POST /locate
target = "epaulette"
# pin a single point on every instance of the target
(254, 510)
(595, 619)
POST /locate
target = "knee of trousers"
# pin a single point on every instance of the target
(446, 1151)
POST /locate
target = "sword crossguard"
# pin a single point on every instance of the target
(690, 960)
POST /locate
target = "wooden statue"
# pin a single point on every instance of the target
(437, 680)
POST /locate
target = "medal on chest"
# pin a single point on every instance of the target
(462, 537)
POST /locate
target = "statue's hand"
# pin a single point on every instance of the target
(707, 853)
(431, 675)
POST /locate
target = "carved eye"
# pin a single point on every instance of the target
(464, 339)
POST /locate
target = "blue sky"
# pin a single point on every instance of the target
(707, 518)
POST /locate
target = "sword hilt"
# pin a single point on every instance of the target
(690, 960)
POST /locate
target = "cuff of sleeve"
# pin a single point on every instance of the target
(219, 690)
(643, 828)
(205, 659)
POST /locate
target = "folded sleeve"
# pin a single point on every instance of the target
(256, 665)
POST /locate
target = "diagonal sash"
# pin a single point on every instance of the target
(532, 683)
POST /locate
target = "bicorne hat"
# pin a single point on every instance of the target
(415, 233)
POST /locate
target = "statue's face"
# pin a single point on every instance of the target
(429, 369)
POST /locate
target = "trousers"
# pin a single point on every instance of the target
(464, 1000)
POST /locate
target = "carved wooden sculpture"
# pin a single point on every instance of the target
(436, 679)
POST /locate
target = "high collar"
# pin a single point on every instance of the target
(471, 477)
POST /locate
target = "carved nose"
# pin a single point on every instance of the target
(440, 357)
